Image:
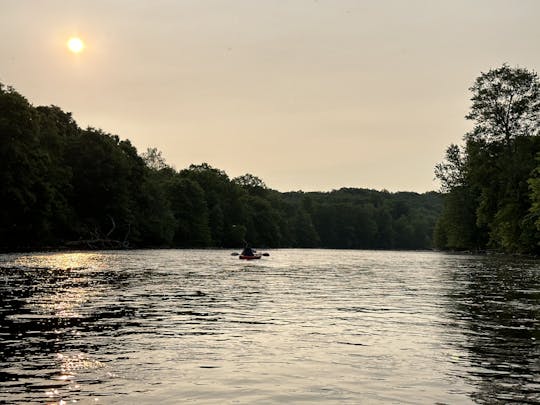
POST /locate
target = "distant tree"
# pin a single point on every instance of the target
(262, 222)
(235, 236)
(249, 180)
(205, 168)
(189, 208)
(386, 235)
(154, 159)
(304, 231)
(154, 216)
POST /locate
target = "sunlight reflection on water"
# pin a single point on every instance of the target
(61, 261)
(299, 326)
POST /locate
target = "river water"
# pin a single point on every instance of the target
(300, 326)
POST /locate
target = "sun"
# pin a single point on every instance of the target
(75, 45)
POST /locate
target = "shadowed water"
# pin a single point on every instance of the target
(300, 326)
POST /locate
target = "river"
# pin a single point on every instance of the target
(299, 326)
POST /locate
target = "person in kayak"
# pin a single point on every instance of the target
(247, 250)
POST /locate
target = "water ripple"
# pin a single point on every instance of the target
(299, 326)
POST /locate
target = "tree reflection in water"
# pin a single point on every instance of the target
(497, 300)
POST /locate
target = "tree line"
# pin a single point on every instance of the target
(491, 183)
(64, 186)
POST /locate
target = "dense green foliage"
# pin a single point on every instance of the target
(492, 183)
(61, 185)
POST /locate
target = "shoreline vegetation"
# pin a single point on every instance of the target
(491, 183)
(67, 188)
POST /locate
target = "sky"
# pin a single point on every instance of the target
(309, 95)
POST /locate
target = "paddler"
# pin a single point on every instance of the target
(247, 250)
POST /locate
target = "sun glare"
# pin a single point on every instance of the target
(75, 45)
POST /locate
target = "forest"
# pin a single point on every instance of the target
(491, 183)
(64, 187)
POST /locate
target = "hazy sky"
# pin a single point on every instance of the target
(311, 95)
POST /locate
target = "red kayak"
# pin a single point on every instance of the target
(242, 257)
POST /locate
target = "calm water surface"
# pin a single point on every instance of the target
(300, 326)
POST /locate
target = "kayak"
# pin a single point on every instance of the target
(242, 257)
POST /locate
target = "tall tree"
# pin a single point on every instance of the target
(505, 104)
(487, 182)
